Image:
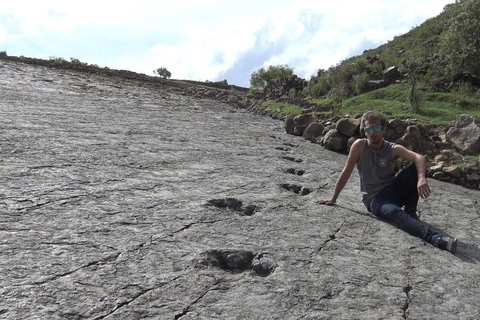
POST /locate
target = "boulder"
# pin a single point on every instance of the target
(313, 131)
(453, 171)
(301, 122)
(474, 176)
(437, 168)
(335, 141)
(350, 141)
(395, 129)
(348, 126)
(439, 175)
(466, 134)
(292, 93)
(306, 92)
(465, 120)
(440, 158)
(413, 139)
(289, 125)
(391, 74)
(233, 100)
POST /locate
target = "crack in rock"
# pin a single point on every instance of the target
(110, 258)
(406, 305)
(126, 303)
(331, 237)
(188, 308)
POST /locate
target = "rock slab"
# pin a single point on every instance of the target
(121, 200)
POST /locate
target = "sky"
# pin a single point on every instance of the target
(207, 39)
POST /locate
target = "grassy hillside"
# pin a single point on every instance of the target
(437, 108)
(440, 94)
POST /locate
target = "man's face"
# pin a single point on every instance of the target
(374, 131)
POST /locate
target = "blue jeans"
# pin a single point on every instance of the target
(387, 205)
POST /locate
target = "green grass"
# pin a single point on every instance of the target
(436, 108)
(283, 108)
(324, 101)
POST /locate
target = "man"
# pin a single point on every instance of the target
(385, 193)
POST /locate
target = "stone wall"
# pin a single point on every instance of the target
(449, 153)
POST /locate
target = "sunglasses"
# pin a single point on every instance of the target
(376, 129)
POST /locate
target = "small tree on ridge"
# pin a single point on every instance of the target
(260, 78)
(162, 73)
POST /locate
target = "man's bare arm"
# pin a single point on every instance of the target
(420, 163)
(353, 157)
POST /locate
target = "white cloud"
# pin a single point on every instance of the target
(3, 35)
(207, 39)
(340, 29)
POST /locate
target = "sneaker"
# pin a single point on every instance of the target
(446, 243)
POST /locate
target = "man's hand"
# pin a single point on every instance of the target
(328, 202)
(423, 188)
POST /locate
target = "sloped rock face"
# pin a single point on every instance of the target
(123, 201)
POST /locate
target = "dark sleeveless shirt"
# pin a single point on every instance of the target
(375, 170)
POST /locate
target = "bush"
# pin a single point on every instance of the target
(341, 76)
(360, 66)
(360, 83)
(322, 87)
(260, 78)
(377, 70)
(58, 60)
(162, 73)
(460, 44)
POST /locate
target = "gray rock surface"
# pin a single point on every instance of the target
(466, 134)
(120, 200)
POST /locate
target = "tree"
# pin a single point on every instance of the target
(163, 73)
(360, 82)
(260, 78)
(322, 86)
(460, 44)
(342, 75)
(414, 70)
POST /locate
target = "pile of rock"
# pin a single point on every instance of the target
(290, 86)
(446, 152)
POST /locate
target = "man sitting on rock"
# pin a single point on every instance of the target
(385, 193)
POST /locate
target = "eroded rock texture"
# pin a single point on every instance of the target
(124, 201)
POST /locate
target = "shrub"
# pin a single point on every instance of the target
(341, 76)
(460, 44)
(377, 70)
(360, 83)
(162, 73)
(360, 66)
(322, 87)
(58, 60)
(260, 78)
